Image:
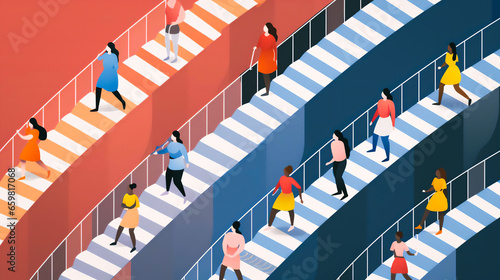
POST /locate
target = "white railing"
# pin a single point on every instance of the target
(412, 212)
(317, 155)
(83, 77)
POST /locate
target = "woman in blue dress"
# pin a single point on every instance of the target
(178, 160)
(108, 79)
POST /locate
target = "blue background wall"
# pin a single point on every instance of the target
(176, 248)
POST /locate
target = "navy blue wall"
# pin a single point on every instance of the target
(396, 191)
(176, 248)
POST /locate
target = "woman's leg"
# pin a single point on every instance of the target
(441, 220)
(335, 167)
(272, 216)
(119, 97)
(441, 90)
(387, 147)
(222, 272)
(44, 167)
(118, 233)
(168, 178)
(23, 168)
(374, 143)
(167, 42)
(177, 174)
(424, 217)
(267, 82)
(97, 99)
(175, 42)
(406, 277)
(238, 274)
(292, 216)
(132, 236)
(462, 92)
(393, 276)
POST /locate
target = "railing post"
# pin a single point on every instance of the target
(352, 271)
(435, 74)
(251, 224)
(484, 175)
(482, 46)
(468, 184)
(418, 77)
(402, 97)
(211, 260)
(465, 42)
(451, 195)
(367, 262)
(352, 129)
(382, 249)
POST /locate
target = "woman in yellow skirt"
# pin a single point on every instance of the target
(286, 200)
(452, 75)
(131, 218)
(438, 202)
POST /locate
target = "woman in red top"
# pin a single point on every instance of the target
(386, 123)
(174, 14)
(286, 200)
(268, 55)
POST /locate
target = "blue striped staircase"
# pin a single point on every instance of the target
(460, 224)
(239, 135)
(269, 249)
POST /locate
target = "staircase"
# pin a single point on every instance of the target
(239, 135)
(139, 76)
(269, 249)
(460, 224)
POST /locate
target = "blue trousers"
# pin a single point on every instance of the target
(385, 142)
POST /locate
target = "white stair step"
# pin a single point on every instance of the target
(131, 92)
(200, 25)
(247, 4)
(407, 7)
(99, 263)
(311, 73)
(494, 60)
(65, 142)
(465, 220)
(328, 58)
(359, 171)
(218, 143)
(495, 188)
(21, 201)
(484, 205)
(299, 221)
(447, 236)
(147, 70)
(281, 238)
(425, 250)
(242, 130)
(316, 205)
(481, 78)
(259, 115)
(382, 16)
(72, 273)
(376, 156)
(83, 126)
(105, 109)
(364, 30)
(172, 198)
(153, 215)
(194, 183)
(216, 10)
(53, 161)
(346, 45)
(208, 164)
(251, 272)
(294, 87)
(441, 110)
(263, 253)
(141, 235)
(278, 103)
(417, 122)
(120, 249)
(402, 139)
(36, 182)
(329, 187)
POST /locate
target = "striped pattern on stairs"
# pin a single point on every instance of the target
(80, 129)
(414, 125)
(460, 225)
(239, 135)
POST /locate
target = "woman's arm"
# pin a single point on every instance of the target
(185, 155)
(274, 54)
(276, 188)
(333, 155)
(374, 116)
(224, 245)
(411, 254)
(392, 110)
(445, 191)
(429, 190)
(25, 137)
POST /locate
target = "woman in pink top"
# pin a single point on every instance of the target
(286, 200)
(340, 154)
(386, 123)
(399, 264)
(232, 245)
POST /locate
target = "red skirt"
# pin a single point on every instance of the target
(399, 266)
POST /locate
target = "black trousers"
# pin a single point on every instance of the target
(98, 91)
(338, 170)
(177, 176)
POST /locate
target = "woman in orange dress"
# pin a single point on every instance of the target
(131, 218)
(268, 55)
(232, 245)
(31, 152)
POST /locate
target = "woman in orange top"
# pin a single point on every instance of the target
(268, 55)
(386, 123)
(286, 200)
(31, 152)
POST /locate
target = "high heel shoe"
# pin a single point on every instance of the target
(48, 174)
(124, 104)
(470, 102)
(418, 227)
(22, 178)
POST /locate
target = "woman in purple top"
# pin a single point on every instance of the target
(108, 79)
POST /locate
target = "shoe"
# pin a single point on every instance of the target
(22, 178)
(291, 228)
(418, 227)
(166, 58)
(470, 102)
(387, 159)
(370, 151)
(124, 104)
(439, 232)
(112, 244)
(94, 110)
(165, 193)
(133, 249)
(437, 103)
(265, 94)
(185, 200)
(174, 61)
(48, 174)
(267, 228)
(345, 195)
(337, 193)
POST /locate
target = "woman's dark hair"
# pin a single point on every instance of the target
(442, 173)
(132, 186)
(453, 50)
(42, 133)
(400, 234)
(236, 226)
(288, 170)
(111, 45)
(177, 136)
(272, 30)
(387, 93)
(344, 140)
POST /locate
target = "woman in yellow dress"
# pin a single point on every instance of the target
(452, 75)
(131, 219)
(438, 202)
